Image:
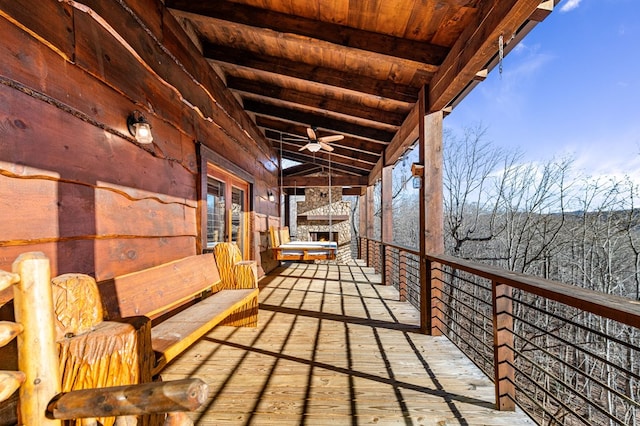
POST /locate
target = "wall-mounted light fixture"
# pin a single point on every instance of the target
(271, 197)
(417, 171)
(139, 127)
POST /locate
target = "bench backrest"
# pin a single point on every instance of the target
(156, 290)
(279, 236)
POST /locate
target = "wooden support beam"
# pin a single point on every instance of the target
(431, 215)
(362, 222)
(386, 219)
(258, 89)
(370, 221)
(544, 9)
(319, 121)
(328, 76)
(37, 353)
(132, 400)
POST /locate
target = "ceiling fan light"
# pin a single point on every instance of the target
(314, 147)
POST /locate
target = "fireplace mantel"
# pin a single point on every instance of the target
(323, 217)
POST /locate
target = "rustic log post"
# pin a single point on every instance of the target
(431, 211)
(37, 355)
(503, 347)
(386, 228)
(132, 400)
(402, 271)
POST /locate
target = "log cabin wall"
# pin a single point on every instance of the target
(73, 183)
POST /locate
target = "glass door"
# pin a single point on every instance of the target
(216, 211)
(238, 210)
(227, 203)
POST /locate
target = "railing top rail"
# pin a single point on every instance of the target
(621, 309)
(409, 250)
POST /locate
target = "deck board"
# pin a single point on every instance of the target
(334, 347)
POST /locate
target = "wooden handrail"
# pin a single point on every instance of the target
(133, 400)
(503, 306)
(621, 309)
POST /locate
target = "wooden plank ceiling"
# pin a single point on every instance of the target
(351, 67)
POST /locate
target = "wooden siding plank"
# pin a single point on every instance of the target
(51, 22)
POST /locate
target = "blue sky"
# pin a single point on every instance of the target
(570, 88)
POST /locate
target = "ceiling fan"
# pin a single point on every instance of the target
(316, 143)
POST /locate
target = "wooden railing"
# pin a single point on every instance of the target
(565, 354)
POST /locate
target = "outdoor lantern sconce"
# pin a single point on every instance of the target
(417, 171)
(139, 127)
(272, 197)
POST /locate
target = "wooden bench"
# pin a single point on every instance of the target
(186, 298)
(64, 346)
(285, 249)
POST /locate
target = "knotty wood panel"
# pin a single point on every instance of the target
(51, 20)
(146, 292)
(119, 256)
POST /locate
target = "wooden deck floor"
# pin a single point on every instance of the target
(334, 347)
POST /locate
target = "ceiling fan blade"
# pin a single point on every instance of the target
(325, 146)
(331, 138)
(311, 133)
(304, 147)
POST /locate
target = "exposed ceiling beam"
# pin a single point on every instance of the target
(301, 169)
(323, 161)
(421, 52)
(339, 155)
(303, 71)
(273, 127)
(306, 181)
(319, 121)
(242, 85)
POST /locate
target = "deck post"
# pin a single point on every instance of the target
(362, 223)
(503, 347)
(369, 223)
(387, 220)
(431, 215)
(402, 272)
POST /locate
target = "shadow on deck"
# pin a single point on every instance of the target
(334, 347)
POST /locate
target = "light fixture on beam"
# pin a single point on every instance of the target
(271, 197)
(139, 127)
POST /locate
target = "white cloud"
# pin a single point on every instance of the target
(569, 5)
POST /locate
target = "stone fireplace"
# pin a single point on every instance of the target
(324, 217)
